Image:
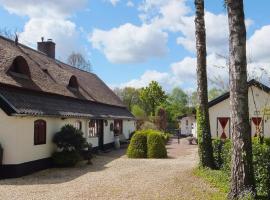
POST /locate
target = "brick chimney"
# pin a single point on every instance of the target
(47, 47)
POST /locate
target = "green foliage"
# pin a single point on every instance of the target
(138, 112)
(216, 178)
(176, 104)
(261, 162)
(214, 93)
(204, 139)
(71, 143)
(156, 146)
(66, 158)
(148, 125)
(70, 139)
(148, 143)
(267, 141)
(129, 95)
(138, 145)
(152, 96)
(222, 154)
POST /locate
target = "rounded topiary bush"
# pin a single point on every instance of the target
(138, 146)
(66, 158)
(156, 146)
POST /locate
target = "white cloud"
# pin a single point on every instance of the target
(129, 43)
(114, 2)
(185, 70)
(163, 78)
(63, 33)
(130, 4)
(41, 8)
(49, 19)
(258, 45)
(216, 38)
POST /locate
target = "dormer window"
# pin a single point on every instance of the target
(73, 83)
(20, 67)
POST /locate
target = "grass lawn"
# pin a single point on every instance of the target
(217, 178)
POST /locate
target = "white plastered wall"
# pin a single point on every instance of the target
(187, 129)
(17, 136)
(222, 109)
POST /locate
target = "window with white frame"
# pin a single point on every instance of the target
(78, 125)
(92, 128)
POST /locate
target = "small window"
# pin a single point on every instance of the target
(186, 122)
(20, 67)
(78, 125)
(73, 82)
(92, 128)
(39, 132)
(118, 126)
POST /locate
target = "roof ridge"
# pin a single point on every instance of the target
(40, 52)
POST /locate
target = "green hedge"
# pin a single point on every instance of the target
(261, 162)
(138, 146)
(66, 158)
(156, 146)
(148, 143)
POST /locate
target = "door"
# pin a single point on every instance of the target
(100, 133)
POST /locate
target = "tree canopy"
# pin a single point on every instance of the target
(152, 96)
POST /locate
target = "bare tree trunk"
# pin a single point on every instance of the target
(242, 175)
(203, 125)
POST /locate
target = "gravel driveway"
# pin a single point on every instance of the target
(114, 176)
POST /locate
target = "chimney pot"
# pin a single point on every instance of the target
(47, 47)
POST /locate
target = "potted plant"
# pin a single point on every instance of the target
(116, 138)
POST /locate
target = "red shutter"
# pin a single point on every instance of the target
(39, 132)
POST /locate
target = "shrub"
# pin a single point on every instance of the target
(261, 162)
(217, 153)
(66, 158)
(138, 145)
(72, 146)
(148, 143)
(69, 139)
(267, 141)
(156, 146)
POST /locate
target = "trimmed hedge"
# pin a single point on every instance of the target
(261, 162)
(66, 158)
(148, 144)
(156, 146)
(138, 146)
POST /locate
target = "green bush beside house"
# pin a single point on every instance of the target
(148, 144)
(71, 147)
(261, 162)
(156, 146)
(138, 146)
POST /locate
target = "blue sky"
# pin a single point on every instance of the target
(130, 43)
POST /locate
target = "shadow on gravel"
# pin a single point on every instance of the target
(62, 175)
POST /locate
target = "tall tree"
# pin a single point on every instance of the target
(176, 104)
(242, 175)
(203, 125)
(152, 96)
(79, 61)
(129, 95)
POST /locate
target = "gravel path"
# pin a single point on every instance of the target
(114, 176)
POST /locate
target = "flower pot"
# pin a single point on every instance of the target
(117, 142)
